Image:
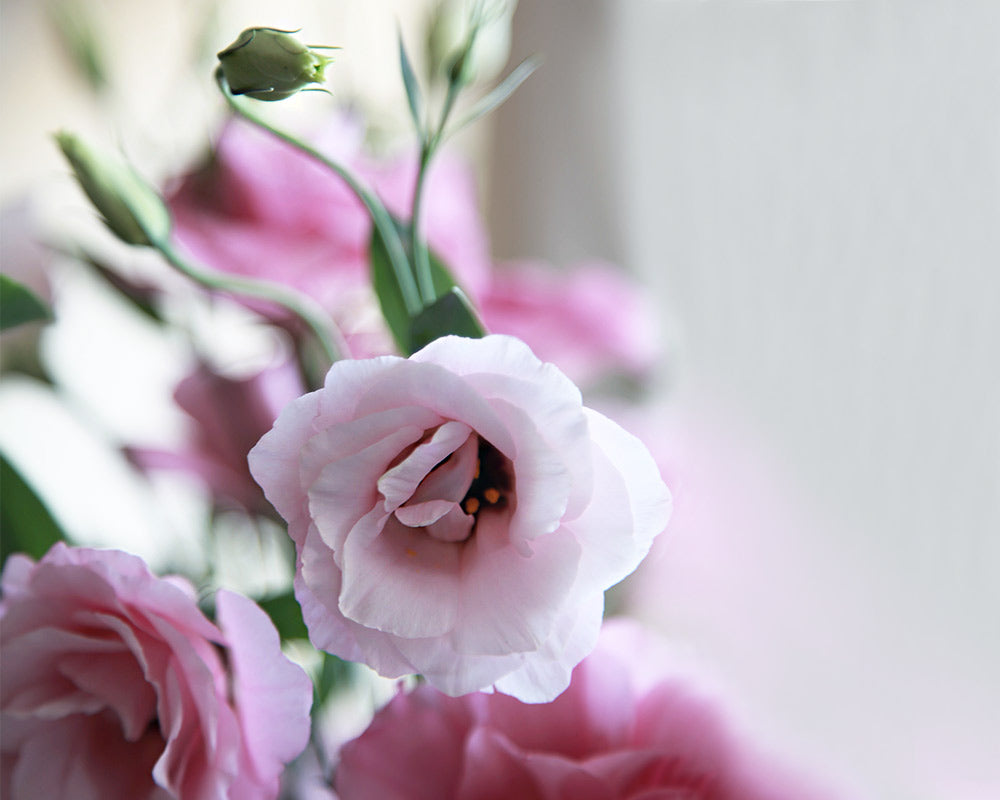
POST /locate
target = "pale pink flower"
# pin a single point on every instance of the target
(612, 735)
(263, 209)
(590, 320)
(459, 514)
(228, 416)
(115, 685)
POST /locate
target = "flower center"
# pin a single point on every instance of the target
(492, 480)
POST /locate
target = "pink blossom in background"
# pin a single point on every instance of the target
(459, 514)
(591, 321)
(613, 734)
(263, 209)
(228, 416)
(115, 686)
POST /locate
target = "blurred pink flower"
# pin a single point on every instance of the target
(459, 514)
(263, 209)
(613, 734)
(590, 321)
(115, 685)
(229, 415)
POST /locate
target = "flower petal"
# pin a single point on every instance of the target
(510, 601)
(616, 539)
(400, 580)
(273, 694)
(398, 484)
(346, 488)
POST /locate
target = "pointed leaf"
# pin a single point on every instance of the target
(499, 94)
(26, 525)
(387, 289)
(18, 304)
(412, 87)
(141, 297)
(450, 314)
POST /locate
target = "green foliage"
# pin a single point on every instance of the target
(412, 87)
(400, 323)
(450, 314)
(18, 305)
(498, 94)
(26, 526)
(286, 614)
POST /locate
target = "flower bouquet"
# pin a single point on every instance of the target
(454, 514)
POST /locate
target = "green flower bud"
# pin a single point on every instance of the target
(268, 64)
(448, 39)
(131, 208)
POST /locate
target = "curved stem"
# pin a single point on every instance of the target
(380, 216)
(302, 306)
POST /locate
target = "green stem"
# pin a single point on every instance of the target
(421, 257)
(428, 147)
(300, 305)
(380, 216)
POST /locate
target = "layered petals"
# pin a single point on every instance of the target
(115, 685)
(610, 736)
(459, 514)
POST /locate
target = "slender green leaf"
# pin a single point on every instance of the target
(286, 614)
(412, 88)
(450, 314)
(26, 525)
(499, 94)
(18, 304)
(387, 288)
(141, 298)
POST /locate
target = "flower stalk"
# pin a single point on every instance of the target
(381, 218)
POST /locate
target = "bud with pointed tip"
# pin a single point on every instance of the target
(131, 208)
(448, 39)
(270, 64)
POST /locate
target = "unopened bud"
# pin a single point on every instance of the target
(131, 208)
(449, 33)
(268, 64)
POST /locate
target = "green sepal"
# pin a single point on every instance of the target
(18, 304)
(26, 525)
(451, 314)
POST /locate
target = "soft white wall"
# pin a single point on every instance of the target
(813, 191)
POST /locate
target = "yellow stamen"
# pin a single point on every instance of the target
(476, 473)
(411, 552)
(491, 495)
(471, 505)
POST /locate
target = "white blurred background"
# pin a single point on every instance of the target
(811, 192)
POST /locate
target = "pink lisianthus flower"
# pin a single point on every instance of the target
(228, 416)
(115, 685)
(459, 514)
(263, 209)
(590, 320)
(612, 735)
